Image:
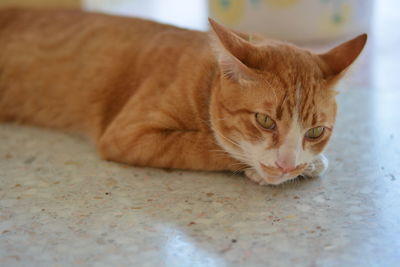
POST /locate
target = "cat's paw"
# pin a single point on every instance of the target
(255, 177)
(317, 167)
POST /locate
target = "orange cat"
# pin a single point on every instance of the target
(155, 95)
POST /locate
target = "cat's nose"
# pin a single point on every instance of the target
(285, 166)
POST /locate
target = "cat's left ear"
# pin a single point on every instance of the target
(234, 51)
(338, 59)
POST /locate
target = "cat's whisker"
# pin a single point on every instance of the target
(238, 156)
(239, 168)
(235, 172)
(239, 163)
(232, 153)
(242, 160)
(226, 138)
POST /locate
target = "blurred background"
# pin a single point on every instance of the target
(315, 24)
(293, 20)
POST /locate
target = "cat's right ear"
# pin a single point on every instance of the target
(233, 52)
(338, 59)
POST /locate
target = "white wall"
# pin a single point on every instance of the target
(189, 14)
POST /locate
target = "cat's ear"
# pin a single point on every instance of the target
(233, 52)
(342, 56)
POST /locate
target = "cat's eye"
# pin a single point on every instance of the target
(315, 133)
(265, 121)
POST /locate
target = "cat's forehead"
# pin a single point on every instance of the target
(288, 59)
(310, 105)
(291, 70)
(303, 96)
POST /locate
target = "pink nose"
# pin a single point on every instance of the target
(285, 166)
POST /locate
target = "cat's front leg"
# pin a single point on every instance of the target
(317, 167)
(165, 148)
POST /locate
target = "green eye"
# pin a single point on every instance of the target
(265, 121)
(315, 133)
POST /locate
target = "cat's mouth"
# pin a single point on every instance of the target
(275, 175)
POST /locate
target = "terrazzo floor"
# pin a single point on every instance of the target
(60, 205)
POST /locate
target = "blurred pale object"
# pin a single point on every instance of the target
(295, 20)
(188, 14)
(40, 3)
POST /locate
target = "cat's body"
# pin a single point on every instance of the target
(148, 94)
(73, 70)
(77, 71)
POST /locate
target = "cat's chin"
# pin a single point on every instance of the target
(275, 176)
(266, 179)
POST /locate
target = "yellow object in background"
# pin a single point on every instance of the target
(281, 3)
(229, 11)
(334, 24)
(295, 20)
(40, 3)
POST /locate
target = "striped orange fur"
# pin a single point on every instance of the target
(155, 95)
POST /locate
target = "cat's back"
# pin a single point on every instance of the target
(48, 24)
(58, 62)
(73, 41)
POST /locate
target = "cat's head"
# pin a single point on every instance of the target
(274, 108)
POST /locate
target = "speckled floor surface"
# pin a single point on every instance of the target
(60, 205)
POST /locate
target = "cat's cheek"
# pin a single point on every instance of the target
(259, 153)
